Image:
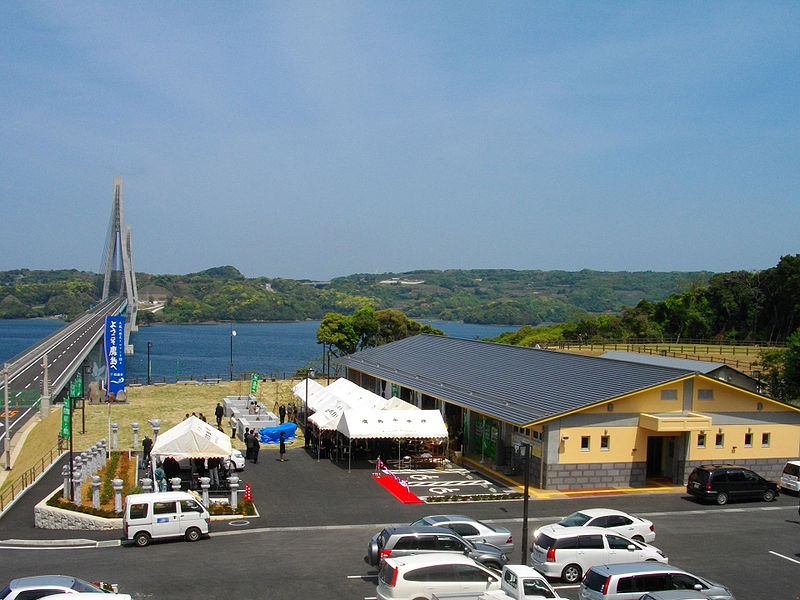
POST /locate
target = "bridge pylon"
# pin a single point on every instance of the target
(120, 246)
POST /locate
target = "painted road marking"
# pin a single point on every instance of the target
(786, 557)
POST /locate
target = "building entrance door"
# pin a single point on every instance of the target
(661, 456)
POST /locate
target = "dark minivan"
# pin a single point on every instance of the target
(721, 483)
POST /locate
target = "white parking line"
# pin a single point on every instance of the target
(786, 557)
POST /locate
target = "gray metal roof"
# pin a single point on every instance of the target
(701, 366)
(515, 384)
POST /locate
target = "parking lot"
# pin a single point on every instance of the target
(316, 518)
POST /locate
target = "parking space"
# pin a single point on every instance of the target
(453, 481)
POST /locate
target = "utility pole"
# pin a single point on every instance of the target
(44, 403)
(5, 406)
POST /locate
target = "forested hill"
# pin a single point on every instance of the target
(498, 296)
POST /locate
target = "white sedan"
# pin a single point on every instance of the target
(235, 461)
(635, 528)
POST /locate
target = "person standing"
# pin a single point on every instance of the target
(282, 412)
(282, 447)
(147, 445)
(233, 425)
(213, 471)
(248, 444)
(256, 446)
(161, 479)
(219, 412)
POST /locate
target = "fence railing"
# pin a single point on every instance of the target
(16, 486)
(221, 378)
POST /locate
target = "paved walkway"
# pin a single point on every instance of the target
(516, 483)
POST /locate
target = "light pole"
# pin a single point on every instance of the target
(149, 371)
(309, 374)
(527, 467)
(233, 335)
(5, 405)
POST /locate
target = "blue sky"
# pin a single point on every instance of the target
(311, 139)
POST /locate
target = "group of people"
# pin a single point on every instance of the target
(253, 445)
(287, 413)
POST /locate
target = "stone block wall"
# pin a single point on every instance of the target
(593, 475)
(50, 517)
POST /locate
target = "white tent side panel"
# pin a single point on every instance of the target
(192, 438)
(393, 424)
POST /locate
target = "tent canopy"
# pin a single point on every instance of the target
(299, 390)
(192, 438)
(393, 424)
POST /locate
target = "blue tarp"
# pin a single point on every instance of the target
(272, 435)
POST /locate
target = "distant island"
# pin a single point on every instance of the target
(489, 296)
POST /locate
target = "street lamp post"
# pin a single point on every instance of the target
(233, 335)
(527, 467)
(5, 408)
(309, 374)
(149, 370)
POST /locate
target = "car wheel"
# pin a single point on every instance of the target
(722, 498)
(141, 539)
(769, 495)
(372, 552)
(638, 538)
(571, 574)
(193, 534)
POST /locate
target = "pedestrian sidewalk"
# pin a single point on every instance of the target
(517, 483)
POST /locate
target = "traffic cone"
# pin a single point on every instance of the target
(248, 493)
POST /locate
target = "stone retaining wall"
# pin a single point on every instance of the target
(594, 475)
(50, 517)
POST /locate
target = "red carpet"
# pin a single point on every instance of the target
(398, 490)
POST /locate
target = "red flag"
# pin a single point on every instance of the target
(248, 493)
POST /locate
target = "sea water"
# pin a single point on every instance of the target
(184, 351)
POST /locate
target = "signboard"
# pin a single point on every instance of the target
(395, 390)
(254, 383)
(114, 344)
(76, 386)
(65, 420)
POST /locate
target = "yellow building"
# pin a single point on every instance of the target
(591, 422)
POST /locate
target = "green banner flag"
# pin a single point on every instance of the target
(65, 424)
(76, 387)
(254, 383)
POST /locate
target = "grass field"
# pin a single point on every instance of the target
(169, 403)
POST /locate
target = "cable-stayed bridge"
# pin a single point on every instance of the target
(41, 374)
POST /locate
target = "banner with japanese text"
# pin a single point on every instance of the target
(114, 345)
(254, 383)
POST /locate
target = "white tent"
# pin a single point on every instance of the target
(192, 438)
(299, 390)
(394, 403)
(393, 424)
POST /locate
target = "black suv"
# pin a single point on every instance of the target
(402, 541)
(721, 483)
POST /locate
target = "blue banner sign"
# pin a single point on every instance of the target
(115, 353)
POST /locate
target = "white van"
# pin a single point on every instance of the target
(790, 478)
(569, 552)
(163, 515)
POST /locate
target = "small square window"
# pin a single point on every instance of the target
(765, 440)
(748, 440)
(604, 442)
(701, 440)
(669, 394)
(585, 443)
(720, 440)
(705, 394)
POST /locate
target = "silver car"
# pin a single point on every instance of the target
(472, 530)
(39, 586)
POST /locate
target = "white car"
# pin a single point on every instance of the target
(420, 576)
(635, 528)
(235, 461)
(472, 530)
(567, 553)
(39, 586)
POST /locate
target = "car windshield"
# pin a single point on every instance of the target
(577, 519)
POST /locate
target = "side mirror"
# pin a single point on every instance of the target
(631, 547)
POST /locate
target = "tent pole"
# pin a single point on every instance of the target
(350, 455)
